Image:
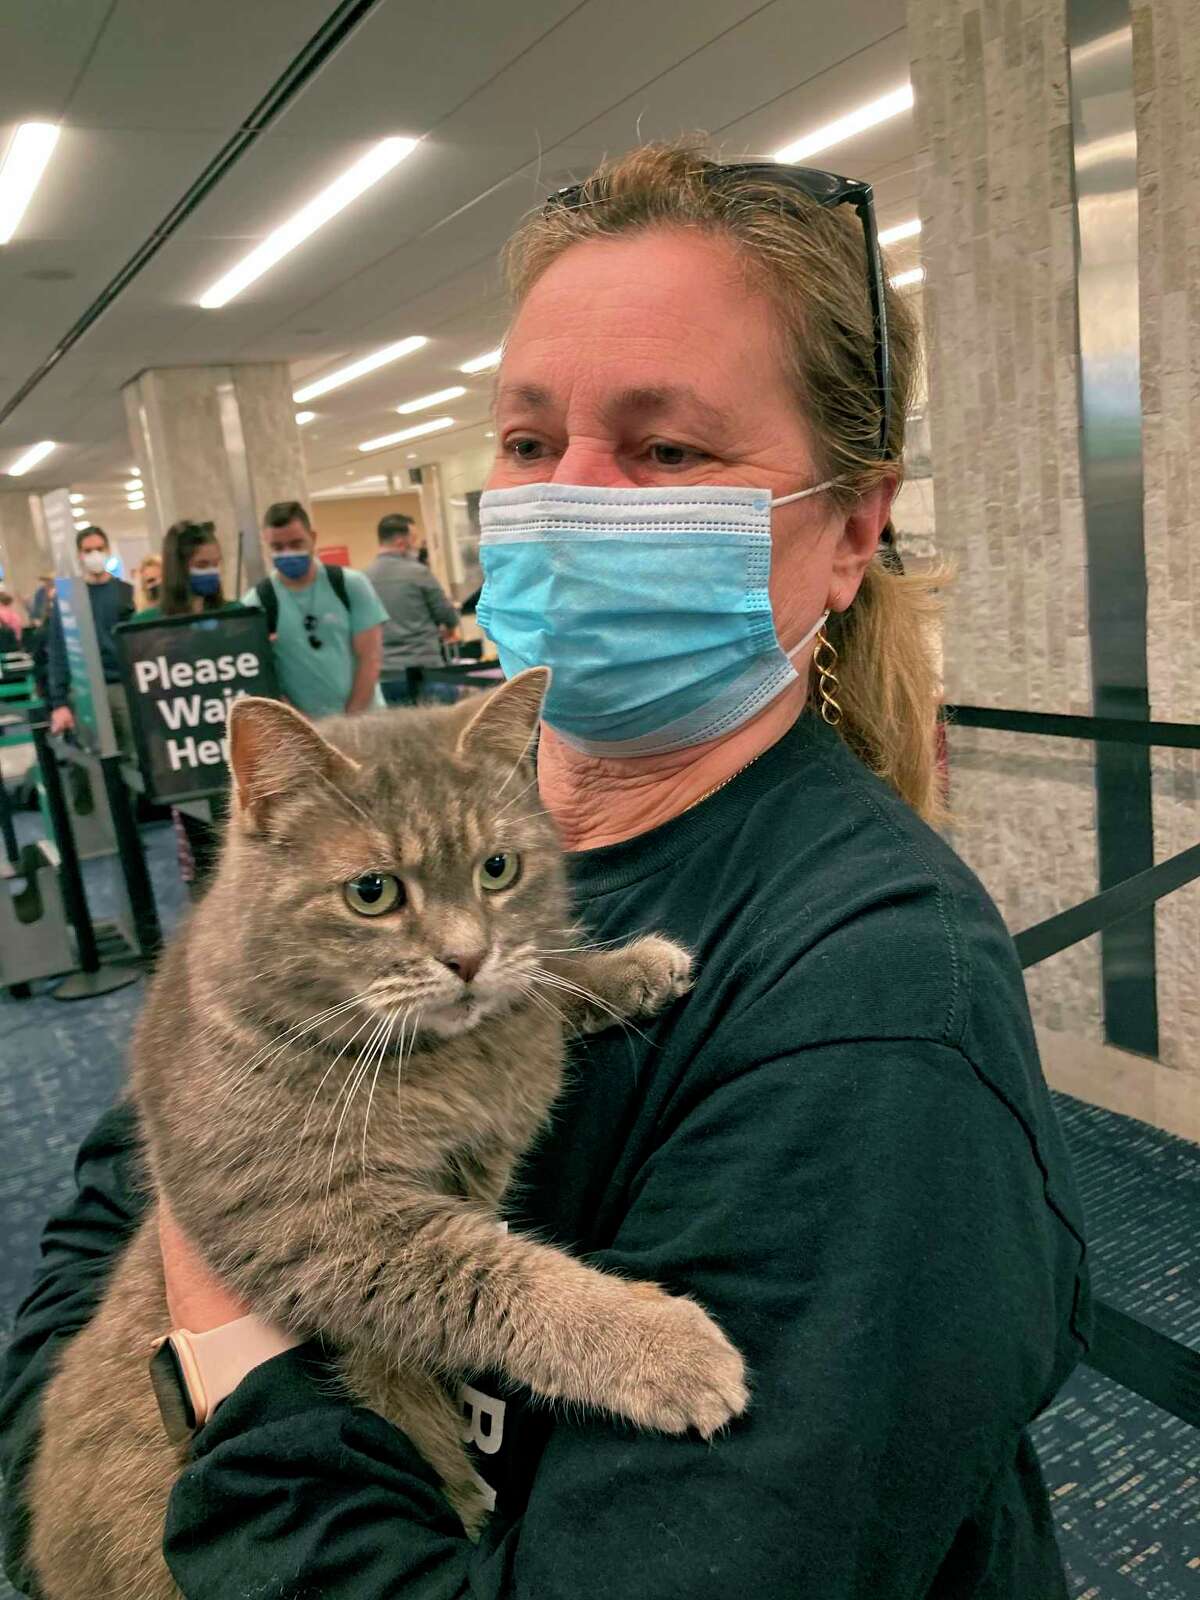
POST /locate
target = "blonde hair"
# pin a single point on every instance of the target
(810, 261)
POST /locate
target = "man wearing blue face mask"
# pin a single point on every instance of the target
(325, 622)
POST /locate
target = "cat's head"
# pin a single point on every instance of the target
(400, 862)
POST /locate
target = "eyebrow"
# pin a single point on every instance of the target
(647, 400)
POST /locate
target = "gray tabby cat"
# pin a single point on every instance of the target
(340, 1061)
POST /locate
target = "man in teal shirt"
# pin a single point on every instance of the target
(327, 634)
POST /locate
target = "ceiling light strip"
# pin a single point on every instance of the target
(483, 363)
(35, 453)
(438, 398)
(417, 432)
(359, 369)
(322, 208)
(857, 121)
(25, 160)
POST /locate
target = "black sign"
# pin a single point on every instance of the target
(181, 676)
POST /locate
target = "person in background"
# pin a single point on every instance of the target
(112, 602)
(420, 616)
(189, 573)
(42, 598)
(190, 585)
(325, 622)
(148, 579)
(11, 622)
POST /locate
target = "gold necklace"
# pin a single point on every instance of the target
(716, 786)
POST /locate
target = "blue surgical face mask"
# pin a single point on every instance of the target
(205, 583)
(650, 606)
(293, 564)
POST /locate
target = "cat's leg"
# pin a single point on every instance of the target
(434, 1282)
(595, 988)
(418, 1405)
(104, 1468)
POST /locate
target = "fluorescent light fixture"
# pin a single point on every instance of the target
(868, 116)
(902, 230)
(81, 523)
(75, 499)
(489, 436)
(439, 397)
(303, 418)
(135, 472)
(485, 362)
(417, 432)
(35, 453)
(134, 486)
(320, 209)
(21, 171)
(359, 369)
(905, 280)
(135, 499)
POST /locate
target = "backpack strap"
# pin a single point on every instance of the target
(337, 582)
(269, 601)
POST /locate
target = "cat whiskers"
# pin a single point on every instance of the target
(325, 1075)
(349, 1089)
(279, 1043)
(382, 1053)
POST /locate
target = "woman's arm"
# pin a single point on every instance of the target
(868, 1223)
(79, 1248)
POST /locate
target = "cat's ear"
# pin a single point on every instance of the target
(273, 751)
(506, 721)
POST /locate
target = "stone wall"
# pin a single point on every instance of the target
(994, 183)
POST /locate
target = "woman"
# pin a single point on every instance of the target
(840, 1142)
(148, 579)
(189, 584)
(189, 573)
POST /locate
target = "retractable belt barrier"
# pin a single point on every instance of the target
(1130, 1352)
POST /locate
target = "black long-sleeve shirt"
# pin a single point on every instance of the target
(840, 1142)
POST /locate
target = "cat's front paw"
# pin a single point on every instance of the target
(660, 971)
(684, 1374)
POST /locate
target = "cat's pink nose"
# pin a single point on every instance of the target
(464, 965)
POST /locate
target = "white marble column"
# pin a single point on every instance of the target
(24, 549)
(217, 444)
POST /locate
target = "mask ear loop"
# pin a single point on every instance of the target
(803, 494)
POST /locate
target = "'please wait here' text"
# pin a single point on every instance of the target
(158, 679)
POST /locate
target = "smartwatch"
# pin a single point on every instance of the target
(192, 1373)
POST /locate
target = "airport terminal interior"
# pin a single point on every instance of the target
(253, 318)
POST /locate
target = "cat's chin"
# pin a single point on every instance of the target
(459, 1016)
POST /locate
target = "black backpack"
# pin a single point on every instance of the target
(268, 599)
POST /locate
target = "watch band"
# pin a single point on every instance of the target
(193, 1372)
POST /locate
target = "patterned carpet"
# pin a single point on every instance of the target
(1124, 1475)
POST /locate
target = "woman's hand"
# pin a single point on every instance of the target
(196, 1299)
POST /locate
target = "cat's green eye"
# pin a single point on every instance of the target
(499, 871)
(373, 893)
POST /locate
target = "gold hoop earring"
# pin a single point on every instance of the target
(825, 659)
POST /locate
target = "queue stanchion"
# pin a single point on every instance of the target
(93, 978)
(138, 888)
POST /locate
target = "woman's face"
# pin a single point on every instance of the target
(647, 361)
(151, 570)
(206, 558)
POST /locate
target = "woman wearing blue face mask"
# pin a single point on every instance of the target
(190, 585)
(839, 1142)
(191, 572)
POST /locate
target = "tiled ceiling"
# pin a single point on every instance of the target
(508, 102)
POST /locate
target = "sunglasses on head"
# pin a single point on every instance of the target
(829, 190)
(310, 631)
